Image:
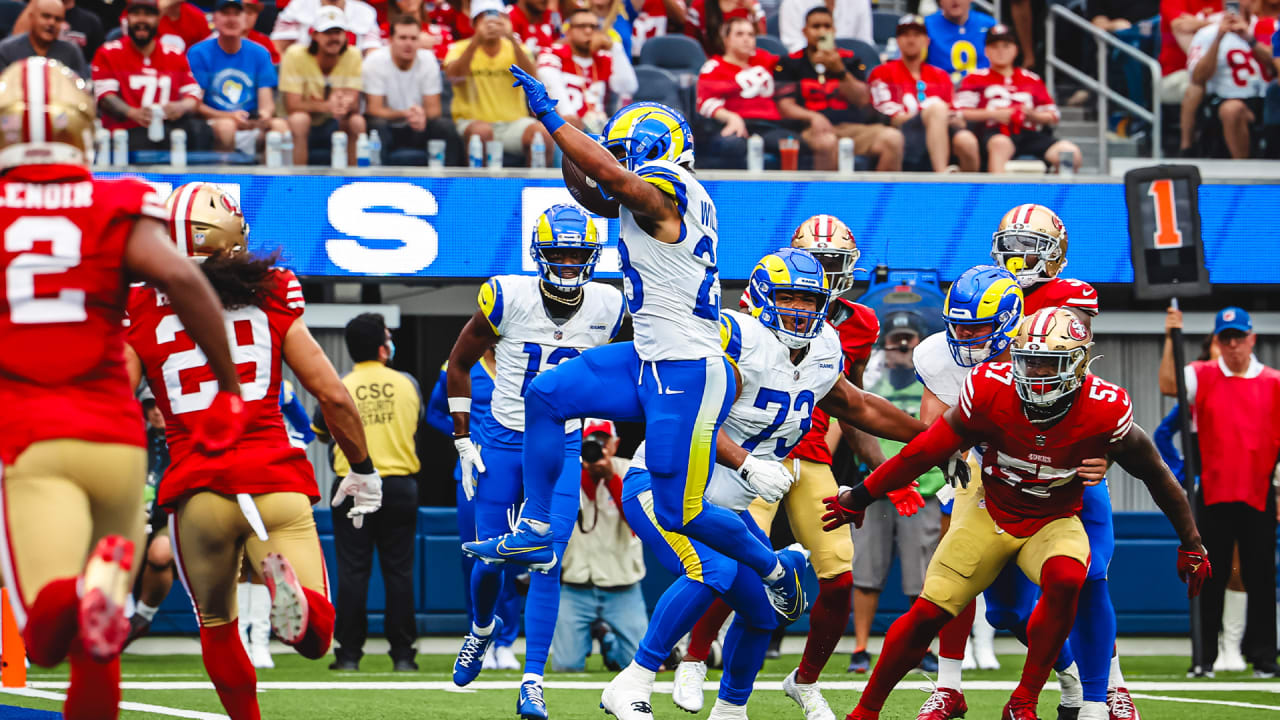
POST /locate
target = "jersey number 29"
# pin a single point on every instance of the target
(256, 353)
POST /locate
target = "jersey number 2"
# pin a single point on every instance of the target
(256, 353)
(64, 239)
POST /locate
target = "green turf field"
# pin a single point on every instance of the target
(296, 688)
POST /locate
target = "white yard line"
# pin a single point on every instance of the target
(1201, 701)
(134, 706)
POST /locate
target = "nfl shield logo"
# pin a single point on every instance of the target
(558, 335)
(1040, 440)
(797, 376)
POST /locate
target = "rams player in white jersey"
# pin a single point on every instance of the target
(675, 376)
(789, 361)
(534, 323)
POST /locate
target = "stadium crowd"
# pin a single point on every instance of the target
(414, 82)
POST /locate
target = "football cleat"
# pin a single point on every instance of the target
(288, 601)
(1072, 688)
(137, 628)
(1019, 710)
(1092, 711)
(808, 697)
(686, 687)
(260, 657)
(943, 704)
(627, 695)
(1120, 706)
(727, 711)
(786, 593)
(103, 588)
(530, 705)
(504, 658)
(470, 660)
(859, 661)
(522, 547)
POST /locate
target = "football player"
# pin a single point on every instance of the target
(1040, 416)
(789, 362)
(832, 243)
(257, 498)
(72, 447)
(534, 323)
(674, 375)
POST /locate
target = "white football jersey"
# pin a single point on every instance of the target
(529, 341)
(938, 370)
(1238, 73)
(673, 290)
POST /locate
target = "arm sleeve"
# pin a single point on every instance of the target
(290, 73)
(969, 96)
(373, 77)
(267, 77)
(1163, 438)
(296, 414)
(187, 85)
(438, 416)
(1044, 101)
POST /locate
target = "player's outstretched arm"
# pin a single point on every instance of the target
(476, 337)
(303, 355)
(870, 412)
(151, 256)
(1140, 458)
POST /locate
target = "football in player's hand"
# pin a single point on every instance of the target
(586, 192)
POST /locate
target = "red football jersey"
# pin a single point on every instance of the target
(747, 91)
(585, 86)
(452, 18)
(858, 328)
(1029, 472)
(190, 28)
(162, 77)
(62, 374)
(263, 460)
(988, 90)
(1061, 292)
(894, 90)
(535, 35)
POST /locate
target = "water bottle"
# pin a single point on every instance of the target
(891, 51)
(1066, 163)
(286, 149)
(538, 152)
(102, 138)
(155, 131)
(362, 150)
(493, 154)
(375, 148)
(338, 156)
(475, 152)
(178, 148)
(755, 153)
(846, 155)
(273, 148)
(120, 147)
(435, 153)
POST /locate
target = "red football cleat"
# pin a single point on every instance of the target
(1017, 709)
(1120, 705)
(103, 587)
(943, 704)
(288, 602)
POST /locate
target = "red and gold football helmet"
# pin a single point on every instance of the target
(1050, 355)
(1030, 233)
(831, 241)
(205, 218)
(46, 115)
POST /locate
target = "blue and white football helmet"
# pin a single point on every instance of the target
(648, 131)
(789, 270)
(985, 296)
(565, 227)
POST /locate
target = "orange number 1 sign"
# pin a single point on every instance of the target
(1167, 234)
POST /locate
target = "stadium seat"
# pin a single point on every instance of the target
(771, 44)
(772, 26)
(114, 33)
(266, 18)
(884, 25)
(658, 85)
(682, 55)
(867, 53)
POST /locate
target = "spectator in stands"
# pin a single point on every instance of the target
(706, 22)
(80, 28)
(600, 594)
(1236, 402)
(579, 77)
(134, 75)
(238, 82)
(1180, 20)
(826, 86)
(1232, 65)
(1023, 14)
(536, 26)
(917, 99)
(402, 87)
(455, 16)
(252, 9)
(182, 25)
(484, 102)
(1011, 109)
(651, 20)
(391, 407)
(956, 34)
(433, 36)
(1119, 18)
(737, 89)
(321, 87)
(850, 19)
(359, 19)
(42, 39)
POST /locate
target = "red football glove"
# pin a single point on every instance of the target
(1193, 569)
(907, 500)
(838, 514)
(221, 424)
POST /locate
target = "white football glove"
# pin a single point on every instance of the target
(472, 465)
(769, 478)
(366, 491)
(956, 470)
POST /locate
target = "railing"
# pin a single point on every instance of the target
(1099, 85)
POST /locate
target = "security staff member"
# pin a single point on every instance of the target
(391, 407)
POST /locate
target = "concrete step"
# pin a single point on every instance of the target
(1074, 114)
(1070, 128)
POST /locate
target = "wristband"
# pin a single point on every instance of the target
(364, 467)
(552, 121)
(860, 497)
(460, 405)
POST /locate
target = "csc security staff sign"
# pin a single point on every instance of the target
(475, 227)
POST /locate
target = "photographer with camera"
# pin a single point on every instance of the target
(600, 596)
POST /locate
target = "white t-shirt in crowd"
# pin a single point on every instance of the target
(852, 20)
(401, 88)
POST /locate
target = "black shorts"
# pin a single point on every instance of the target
(1212, 144)
(916, 149)
(1035, 143)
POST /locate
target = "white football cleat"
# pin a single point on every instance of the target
(489, 662)
(686, 687)
(260, 656)
(505, 659)
(985, 655)
(969, 662)
(1072, 690)
(808, 697)
(626, 697)
(727, 711)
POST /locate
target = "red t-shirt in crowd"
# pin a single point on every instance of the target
(1172, 57)
(585, 84)
(986, 89)
(535, 34)
(747, 91)
(894, 90)
(1238, 423)
(191, 27)
(695, 23)
(157, 79)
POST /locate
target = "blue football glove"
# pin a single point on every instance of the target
(535, 95)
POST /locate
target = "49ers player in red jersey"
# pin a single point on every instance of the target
(1031, 243)
(832, 243)
(1041, 416)
(256, 498)
(72, 447)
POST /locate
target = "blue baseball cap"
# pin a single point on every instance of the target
(1233, 318)
(227, 3)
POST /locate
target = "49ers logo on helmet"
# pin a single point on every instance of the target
(1077, 330)
(229, 203)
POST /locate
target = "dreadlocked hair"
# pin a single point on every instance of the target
(239, 279)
